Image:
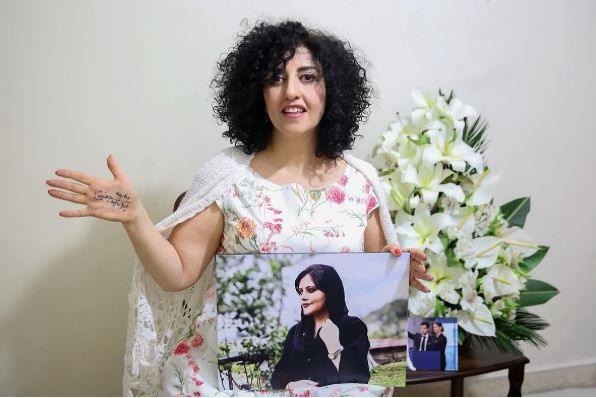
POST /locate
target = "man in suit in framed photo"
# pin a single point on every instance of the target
(422, 339)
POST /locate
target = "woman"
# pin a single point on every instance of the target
(439, 342)
(292, 99)
(327, 346)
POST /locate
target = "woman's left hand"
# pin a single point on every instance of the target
(417, 268)
(329, 333)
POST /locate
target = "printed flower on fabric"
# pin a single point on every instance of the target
(371, 203)
(335, 195)
(314, 194)
(182, 348)
(245, 228)
(274, 228)
(197, 341)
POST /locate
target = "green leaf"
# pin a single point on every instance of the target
(423, 140)
(536, 292)
(475, 135)
(452, 261)
(461, 335)
(444, 240)
(529, 263)
(275, 266)
(515, 212)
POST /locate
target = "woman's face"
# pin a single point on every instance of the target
(300, 85)
(436, 328)
(312, 299)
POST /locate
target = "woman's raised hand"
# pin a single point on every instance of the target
(417, 268)
(112, 200)
(329, 333)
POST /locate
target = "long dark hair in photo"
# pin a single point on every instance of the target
(327, 280)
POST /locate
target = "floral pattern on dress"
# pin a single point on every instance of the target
(261, 216)
(265, 217)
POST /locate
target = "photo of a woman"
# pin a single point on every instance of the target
(438, 342)
(327, 346)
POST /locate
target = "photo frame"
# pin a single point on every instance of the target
(266, 327)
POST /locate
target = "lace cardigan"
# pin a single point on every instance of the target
(155, 317)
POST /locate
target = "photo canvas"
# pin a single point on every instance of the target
(311, 319)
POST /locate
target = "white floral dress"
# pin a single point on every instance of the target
(261, 216)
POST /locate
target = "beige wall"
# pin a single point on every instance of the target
(81, 79)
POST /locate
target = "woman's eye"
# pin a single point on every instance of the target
(309, 77)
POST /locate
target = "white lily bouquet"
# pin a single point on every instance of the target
(440, 193)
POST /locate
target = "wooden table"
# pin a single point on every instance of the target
(476, 361)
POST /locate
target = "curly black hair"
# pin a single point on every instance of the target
(242, 74)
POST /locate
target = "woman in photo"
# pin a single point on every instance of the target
(327, 346)
(292, 99)
(439, 342)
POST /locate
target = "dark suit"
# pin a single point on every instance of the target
(439, 343)
(418, 338)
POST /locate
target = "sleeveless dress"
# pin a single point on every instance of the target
(261, 216)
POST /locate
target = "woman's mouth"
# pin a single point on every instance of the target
(305, 305)
(294, 115)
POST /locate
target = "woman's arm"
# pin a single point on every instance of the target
(179, 262)
(353, 365)
(175, 264)
(282, 374)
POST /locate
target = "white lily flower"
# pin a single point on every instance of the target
(479, 322)
(449, 205)
(484, 217)
(414, 201)
(424, 111)
(421, 230)
(497, 307)
(467, 282)
(450, 148)
(446, 279)
(396, 191)
(455, 112)
(484, 188)
(464, 223)
(385, 153)
(484, 251)
(508, 257)
(519, 241)
(500, 280)
(408, 152)
(421, 304)
(428, 178)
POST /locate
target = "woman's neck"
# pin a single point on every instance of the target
(320, 319)
(293, 153)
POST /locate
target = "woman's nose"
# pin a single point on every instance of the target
(292, 87)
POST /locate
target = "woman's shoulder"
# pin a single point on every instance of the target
(360, 164)
(354, 323)
(226, 161)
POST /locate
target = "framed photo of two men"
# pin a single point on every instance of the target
(311, 320)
